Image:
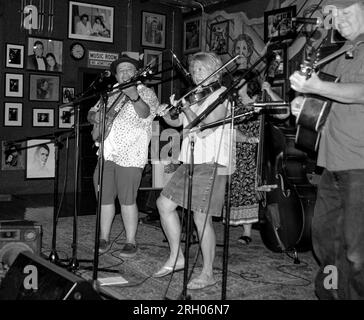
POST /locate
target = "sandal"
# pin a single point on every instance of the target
(245, 240)
(199, 283)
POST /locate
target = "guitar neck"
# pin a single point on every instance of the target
(344, 49)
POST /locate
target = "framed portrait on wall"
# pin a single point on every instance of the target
(14, 85)
(219, 37)
(153, 30)
(277, 68)
(13, 114)
(153, 57)
(68, 94)
(44, 54)
(279, 88)
(91, 22)
(43, 87)
(66, 118)
(40, 160)
(192, 35)
(12, 155)
(14, 56)
(43, 117)
(278, 24)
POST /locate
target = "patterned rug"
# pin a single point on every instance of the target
(254, 272)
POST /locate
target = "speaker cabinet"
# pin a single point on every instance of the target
(18, 236)
(48, 282)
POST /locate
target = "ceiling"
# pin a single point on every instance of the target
(187, 6)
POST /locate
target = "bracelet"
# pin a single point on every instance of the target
(135, 100)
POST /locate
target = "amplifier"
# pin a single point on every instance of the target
(17, 236)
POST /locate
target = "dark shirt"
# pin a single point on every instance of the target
(342, 140)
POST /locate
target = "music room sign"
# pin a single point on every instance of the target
(100, 59)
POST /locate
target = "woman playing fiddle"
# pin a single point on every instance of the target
(211, 157)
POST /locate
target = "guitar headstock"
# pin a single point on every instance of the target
(310, 63)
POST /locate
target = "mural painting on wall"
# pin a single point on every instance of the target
(246, 36)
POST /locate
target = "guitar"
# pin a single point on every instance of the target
(111, 114)
(114, 109)
(314, 108)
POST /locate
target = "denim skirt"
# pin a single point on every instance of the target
(208, 188)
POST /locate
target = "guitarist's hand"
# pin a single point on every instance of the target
(300, 84)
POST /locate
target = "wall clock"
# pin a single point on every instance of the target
(77, 51)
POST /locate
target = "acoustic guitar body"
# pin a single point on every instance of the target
(312, 117)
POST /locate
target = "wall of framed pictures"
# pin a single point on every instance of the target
(43, 61)
(72, 33)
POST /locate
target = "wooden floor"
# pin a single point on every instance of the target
(254, 272)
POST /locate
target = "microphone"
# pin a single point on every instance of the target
(271, 104)
(181, 68)
(316, 21)
(272, 107)
(105, 74)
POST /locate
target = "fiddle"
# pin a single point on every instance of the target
(193, 97)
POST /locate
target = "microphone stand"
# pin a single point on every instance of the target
(53, 257)
(184, 295)
(232, 100)
(222, 97)
(74, 262)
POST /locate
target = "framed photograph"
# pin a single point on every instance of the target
(279, 88)
(43, 117)
(277, 68)
(91, 22)
(12, 155)
(219, 37)
(157, 87)
(13, 114)
(43, 87)
(66, 117)
(44, 54)
(40, 160)
(68, 94)
(153, 30)
(13, 85)
(192, 35)
(14, 56)
(278, 24)
(155, 58)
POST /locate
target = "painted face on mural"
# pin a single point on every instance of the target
(242, 49)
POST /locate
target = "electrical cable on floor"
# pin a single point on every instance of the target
(250, 276)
